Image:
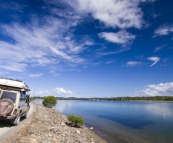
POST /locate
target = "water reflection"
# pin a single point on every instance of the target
(62, 107)
(162, 110)
(155, 109)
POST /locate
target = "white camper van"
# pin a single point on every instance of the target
(14, 103)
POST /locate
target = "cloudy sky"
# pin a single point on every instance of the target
(88, 48)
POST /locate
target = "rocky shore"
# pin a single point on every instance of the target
(49, 126)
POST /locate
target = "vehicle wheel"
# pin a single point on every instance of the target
(25, 116)
(16, 121)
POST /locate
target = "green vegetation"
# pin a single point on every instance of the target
(144, 98)
(32, 98)
(153, 98)
(75, 121)
(49, 101)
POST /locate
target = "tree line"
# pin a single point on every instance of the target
(146, 98)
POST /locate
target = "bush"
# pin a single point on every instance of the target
(49, 101)
(75, 121)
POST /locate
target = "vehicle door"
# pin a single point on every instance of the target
(22, 102)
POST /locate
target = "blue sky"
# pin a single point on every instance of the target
(91, 48)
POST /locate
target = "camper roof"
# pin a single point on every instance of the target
(13, 83)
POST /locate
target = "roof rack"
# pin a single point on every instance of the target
(15, 84)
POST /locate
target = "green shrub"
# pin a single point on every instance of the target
(32, 98)
(49, 101)
(75, 121)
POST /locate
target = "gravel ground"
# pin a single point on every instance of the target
(47, 125)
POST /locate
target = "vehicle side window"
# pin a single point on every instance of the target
(9, 95)
(22, 96)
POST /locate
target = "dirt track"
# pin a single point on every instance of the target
(6, 129)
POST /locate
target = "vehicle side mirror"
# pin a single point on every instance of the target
(27, 99)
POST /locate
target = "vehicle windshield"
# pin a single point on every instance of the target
(9, 95)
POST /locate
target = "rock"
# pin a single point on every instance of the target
(78, 132)
(69, 141)
(51, 128)
(22, 140)
(33, 135)
(55, 130)
(33, 141)
(84, 142)
(63, 124)
(91, 128)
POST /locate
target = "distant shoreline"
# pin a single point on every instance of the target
(153, 98)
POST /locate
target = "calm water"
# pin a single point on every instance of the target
(124, 121)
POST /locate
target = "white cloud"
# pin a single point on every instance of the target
(113, 13)
(14, 6)
(42, 93)
(153, 59)
(3, 72)
(56, 74)
(38, 44)
(59, 91)
(35, 75)
(163, 30)
(159, 48)
(148, 0)
(11, 65)
(110, 62)
(121, 37)
(62, 91)
(133, 63)
(162, 89)
(49, 41)
(96, 64)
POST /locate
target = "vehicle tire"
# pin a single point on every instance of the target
(25, 116)
(16, 121)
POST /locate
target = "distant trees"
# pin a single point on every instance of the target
(49, 101)
(32, 98)
(144, 98)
